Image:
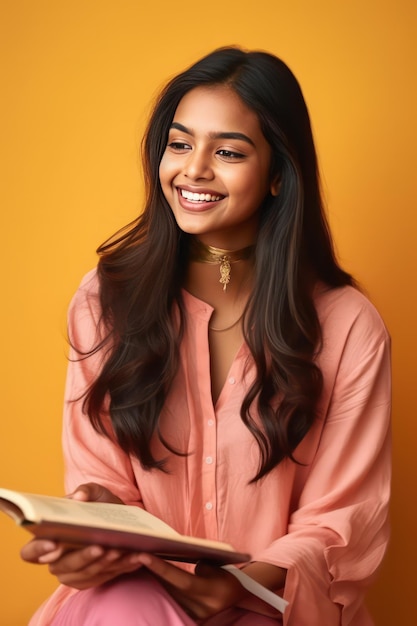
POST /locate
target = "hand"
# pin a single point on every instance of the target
(203, 594)
(84, 567)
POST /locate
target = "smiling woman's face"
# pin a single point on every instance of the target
(215, 169)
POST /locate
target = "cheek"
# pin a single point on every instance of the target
(165, 175)
(162, 169)
(252, 184)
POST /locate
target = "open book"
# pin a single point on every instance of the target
(125, 527)
(114, 525)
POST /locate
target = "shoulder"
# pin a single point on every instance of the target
(355, 352)
(89, 285)
(345, 314)
(88, 292)
(84, 313)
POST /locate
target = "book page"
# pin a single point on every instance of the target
(256, 589)
(36, 508)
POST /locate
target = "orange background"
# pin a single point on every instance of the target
(77, 79)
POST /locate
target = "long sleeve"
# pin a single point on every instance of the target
(90, 456)
(338, 531)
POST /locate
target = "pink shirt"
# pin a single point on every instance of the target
(325, 519)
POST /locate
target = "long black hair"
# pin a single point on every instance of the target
(141, 271)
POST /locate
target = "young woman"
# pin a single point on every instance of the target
(226, 374)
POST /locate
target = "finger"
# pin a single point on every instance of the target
(37, 548)
(109, 566)
(88, 492)
(94, 559)
(52, 556)
(93, 492)
(203, 568)
(81, 493)
(76, 560)
(171, 574)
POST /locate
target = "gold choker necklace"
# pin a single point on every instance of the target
(217, 256)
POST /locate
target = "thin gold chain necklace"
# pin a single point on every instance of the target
(202, 253)
(222, 330)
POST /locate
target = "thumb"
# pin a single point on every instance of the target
(93, 492)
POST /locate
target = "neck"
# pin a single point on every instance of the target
(201, 253)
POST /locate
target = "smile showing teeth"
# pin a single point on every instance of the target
(198, 197)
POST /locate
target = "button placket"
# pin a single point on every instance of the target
(207, 461)
(208, 469)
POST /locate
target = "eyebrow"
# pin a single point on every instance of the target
(213, 135)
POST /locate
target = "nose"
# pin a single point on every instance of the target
(198, 165)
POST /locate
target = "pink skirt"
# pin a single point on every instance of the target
(132, 600)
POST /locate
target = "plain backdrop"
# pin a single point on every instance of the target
(77, 81)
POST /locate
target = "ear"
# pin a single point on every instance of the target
(275, 185)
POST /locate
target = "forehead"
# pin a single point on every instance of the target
(216, 109)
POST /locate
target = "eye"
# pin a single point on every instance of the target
(179, 146)
(230, 155)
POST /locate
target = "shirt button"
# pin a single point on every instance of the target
(209, 460)
(209, 506)
(232, 380)
(210, 422)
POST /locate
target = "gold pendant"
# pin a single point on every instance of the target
(225, 268)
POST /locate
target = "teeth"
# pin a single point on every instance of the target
(199, 197)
